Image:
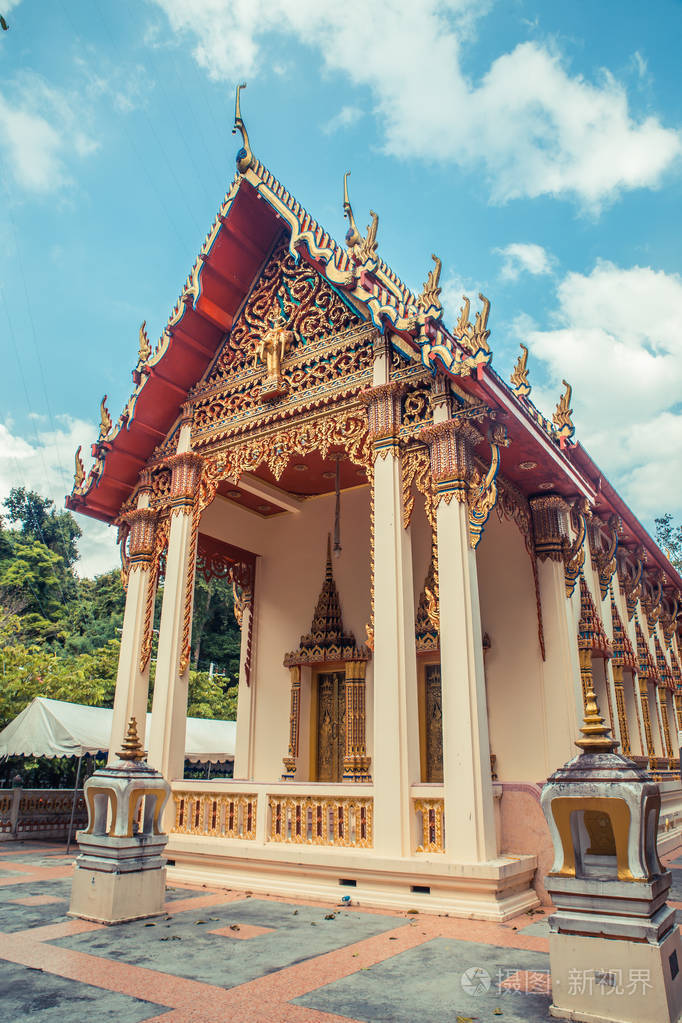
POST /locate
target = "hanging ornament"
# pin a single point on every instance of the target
(337, 514)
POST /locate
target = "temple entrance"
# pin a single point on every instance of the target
(433, 723)
(331, 725)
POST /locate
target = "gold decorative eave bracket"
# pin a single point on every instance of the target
(574, 552)
(483, 492)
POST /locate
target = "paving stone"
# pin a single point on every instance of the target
(185, 947)
(438, 982)
(32, 996)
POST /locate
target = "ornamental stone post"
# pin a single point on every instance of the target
(169, 707)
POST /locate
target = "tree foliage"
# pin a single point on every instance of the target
(60, 634)
(669, 539)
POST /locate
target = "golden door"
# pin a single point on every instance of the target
(331, 725)
(434, 723)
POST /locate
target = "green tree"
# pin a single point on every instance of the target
(31, 576)
(38, 519)
(669, 539)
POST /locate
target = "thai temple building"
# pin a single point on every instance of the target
(428, 573)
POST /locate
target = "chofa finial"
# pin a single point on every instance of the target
(362, 250)
(430, 296)
(244, 156)
(563, 415)
(519, 378)
(79, 473)
(105, 422)
(144, 347)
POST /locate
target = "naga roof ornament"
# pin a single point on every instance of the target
(105, 422)
(144, 347)
(362, 250)
(563, 416)
(79, 468)
(519, 378)
(244, 155)
(429, 300)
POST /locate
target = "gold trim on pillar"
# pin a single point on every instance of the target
(356, 762)
(619, 688)
(294, 723)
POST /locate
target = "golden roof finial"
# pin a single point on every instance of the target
(132, 747)
(79, 474)
(145, 348)
(597, 735)
(562, 417)
(244, 156)
(519, 378)
(429, 297)
(105, 423)
(363, 250)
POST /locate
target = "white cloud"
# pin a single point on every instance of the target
(345, 117)
(617, 339)
(453, 290)
(528, 124)
(520, 257)
(40, 126)
(45, 464)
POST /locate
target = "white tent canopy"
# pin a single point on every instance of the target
(55, 728)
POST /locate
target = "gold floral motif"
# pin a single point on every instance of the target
(220, 815)
(322, 820)
(606, 560)
(432, 815)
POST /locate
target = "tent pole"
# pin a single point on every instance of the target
(73, 805)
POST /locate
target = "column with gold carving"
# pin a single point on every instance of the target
(169, 707)
(563, 692)
(395, 759)
(132, 679)
(467, 785)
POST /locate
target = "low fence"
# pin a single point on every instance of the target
(39, 813)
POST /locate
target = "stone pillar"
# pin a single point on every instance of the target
(395, 761)
(470, 835)
(132, 679)
(563, 700)
(169, 707)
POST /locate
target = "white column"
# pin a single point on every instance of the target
(395, 757)
(169, 706)
(132, 679)
(561, 669)
(470, 835)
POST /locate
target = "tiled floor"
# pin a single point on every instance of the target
(293, 963)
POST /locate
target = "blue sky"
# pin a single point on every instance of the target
(535, 147)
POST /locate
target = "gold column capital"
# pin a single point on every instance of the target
(142, 522)
(383, 414)
(186, 468)
(451, 447)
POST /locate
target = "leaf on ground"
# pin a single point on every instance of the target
(235, 927)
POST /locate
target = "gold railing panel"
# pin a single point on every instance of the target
(215, 815)
(323, 820)
(431, 813)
